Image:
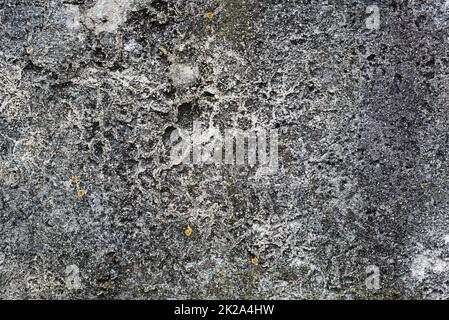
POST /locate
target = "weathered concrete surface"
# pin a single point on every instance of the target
(93, 89)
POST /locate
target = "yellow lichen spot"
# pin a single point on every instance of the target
(105, 285)
(424, 184)
(254, 261)
(81, 193)
(188, 231)
(210, 15)
(164, 51)
(74, 179)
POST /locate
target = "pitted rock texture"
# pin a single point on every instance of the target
(92, 207)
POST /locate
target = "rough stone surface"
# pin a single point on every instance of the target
(94, 88)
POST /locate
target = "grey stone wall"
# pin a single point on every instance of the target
(91, 205)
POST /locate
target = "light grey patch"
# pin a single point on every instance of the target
(73, 16)
(372, 281)
(183, 74)
(107, 15)
(72, 281)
